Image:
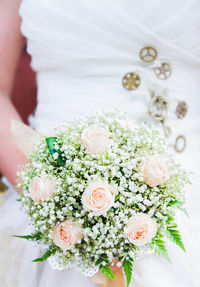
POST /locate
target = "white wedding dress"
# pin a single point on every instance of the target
(81, 50)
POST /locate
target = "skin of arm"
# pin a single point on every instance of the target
(11, 44)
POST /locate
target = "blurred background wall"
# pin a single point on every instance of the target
(24, 88)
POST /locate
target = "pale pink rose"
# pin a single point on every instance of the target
(42, 188)
(96, 139)
(98, 197)
(141, 229)
(67, 234)
(155, 170)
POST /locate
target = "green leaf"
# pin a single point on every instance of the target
(28, 237)
(174, 202)
(120, 258)
(170, 221)
(117, 197)
(159, 247)
(103, 258)
(46, 255)
(175, 236)
(19, 199)
(100, 260)
(128, 269)
(36, 236)
(106, 270)
(50, 143)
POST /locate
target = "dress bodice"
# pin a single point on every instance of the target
(81, 50)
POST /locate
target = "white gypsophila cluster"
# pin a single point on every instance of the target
(56, 262)
(120, 167)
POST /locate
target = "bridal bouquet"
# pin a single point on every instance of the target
(101, 190)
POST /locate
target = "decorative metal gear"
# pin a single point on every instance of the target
(164, 71)
(148, 54)
(181, 110)
(180, 143)
(158, 107)
(131, 81)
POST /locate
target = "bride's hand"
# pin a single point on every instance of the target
(113, 264)
(11, 43)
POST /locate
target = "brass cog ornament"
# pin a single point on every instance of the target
(131, 81)
(148, 54)
(158, 105)
(164, 71)
(181, 110)
(158, 108)
(180, 143)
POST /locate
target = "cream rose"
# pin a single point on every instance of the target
(98, 197)
(67, 234)
(155, 170)
(141, 229)
(41, 188)
(95, 139)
